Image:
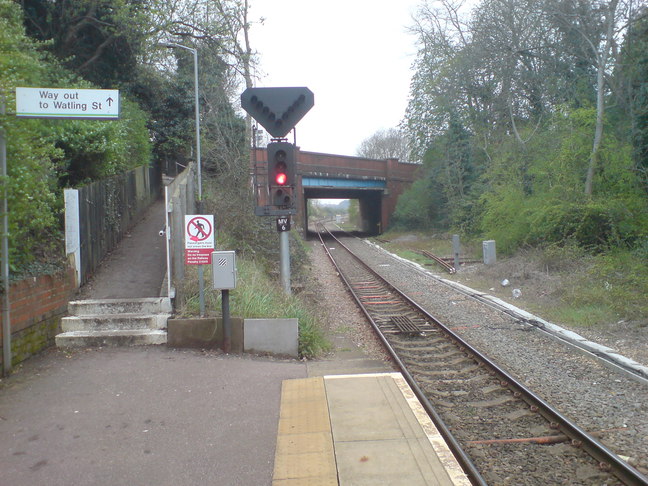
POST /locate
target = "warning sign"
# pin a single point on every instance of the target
(199, 239)
(201, 256)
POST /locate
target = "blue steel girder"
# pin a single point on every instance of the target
(339, 183)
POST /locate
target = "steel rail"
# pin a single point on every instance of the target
(464, 460)
(606, 458)
(451, 269)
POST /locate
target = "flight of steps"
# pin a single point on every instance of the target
(115, 322)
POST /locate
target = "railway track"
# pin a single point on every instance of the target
(499, 430)
(447, 266)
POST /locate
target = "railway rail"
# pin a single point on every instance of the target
(498, 429)
(449, 268)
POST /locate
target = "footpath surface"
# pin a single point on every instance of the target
(141, 416)
(153, 415)
(136, 268)
(144, 415)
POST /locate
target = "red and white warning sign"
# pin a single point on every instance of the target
(199, 239)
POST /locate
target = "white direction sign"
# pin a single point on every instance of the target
(80, 104)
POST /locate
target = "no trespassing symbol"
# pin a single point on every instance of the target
(199, 239)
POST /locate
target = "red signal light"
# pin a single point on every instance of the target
(281, 175)
(281, 178)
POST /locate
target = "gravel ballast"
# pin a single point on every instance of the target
(598, 398)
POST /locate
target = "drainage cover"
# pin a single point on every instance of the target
(405, 325)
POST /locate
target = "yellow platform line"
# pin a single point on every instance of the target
(304, 454)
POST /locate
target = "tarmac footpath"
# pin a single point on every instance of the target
(152, 415)
(141, 416)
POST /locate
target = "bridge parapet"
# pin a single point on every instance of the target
(342, 166)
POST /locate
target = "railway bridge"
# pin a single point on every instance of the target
(375, 183)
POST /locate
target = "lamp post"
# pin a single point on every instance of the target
(197, 108)
(6, 323)
(201, 278)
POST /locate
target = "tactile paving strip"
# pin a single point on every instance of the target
(304, 454)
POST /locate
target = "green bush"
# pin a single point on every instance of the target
(413, 209)
(32, 199)
(505, 218)
(536, 194)
(44, 155)
(95, 150)
(593, 225)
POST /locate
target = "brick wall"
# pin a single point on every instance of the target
(37, 305)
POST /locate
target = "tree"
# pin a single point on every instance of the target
(613, 17)
(101, 40)
(443, 78)
(502, 103)
(632, 80)
(385, 144)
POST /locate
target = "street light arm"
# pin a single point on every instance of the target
(172, 44)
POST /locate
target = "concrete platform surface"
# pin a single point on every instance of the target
(141, 416)
(357, 430)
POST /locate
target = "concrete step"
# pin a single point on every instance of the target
(84, 339)
(153, 305)
(114, 322)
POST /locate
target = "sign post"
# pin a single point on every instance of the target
(224, 278)
(199, 245)
(6, 315)
(283, 223)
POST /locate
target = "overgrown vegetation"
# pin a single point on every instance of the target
(258, 293)
(43, 156)
(529, 119)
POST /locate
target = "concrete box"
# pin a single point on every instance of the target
(490, 253)
(276, 336)
(224, 269)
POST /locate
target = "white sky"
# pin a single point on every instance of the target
(354, 55)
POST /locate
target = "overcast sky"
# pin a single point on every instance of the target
(354, 55)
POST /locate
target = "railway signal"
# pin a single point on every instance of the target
(281, 174)
(277, 109)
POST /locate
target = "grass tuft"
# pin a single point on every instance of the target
(255, 296)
